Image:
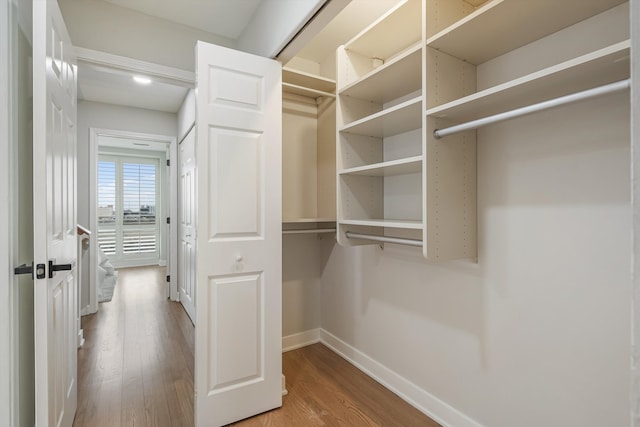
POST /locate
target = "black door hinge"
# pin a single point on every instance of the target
(168, 162)
(168, 278)
(168, 220)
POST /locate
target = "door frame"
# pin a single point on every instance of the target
(8, 351)
(172, 250)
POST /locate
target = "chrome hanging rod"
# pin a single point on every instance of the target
(385, 239)
(578, 96)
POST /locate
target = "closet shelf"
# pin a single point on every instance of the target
(597, 68)
(392, 121)
(305, 91)
(503, 25)
(307, 220)
(385, 223)
(382, 38)
(307, 80)
(399, 76)
(390, 168)
(310, 231)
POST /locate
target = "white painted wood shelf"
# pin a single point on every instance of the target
(380, 115)
(306, 84)
(385, 223)
(399, 76)
(391, 168)
(307, 220)
(392, 121)
(500, 26)
(597, 68)
(382, 39)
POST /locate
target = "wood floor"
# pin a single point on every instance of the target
(136, 369)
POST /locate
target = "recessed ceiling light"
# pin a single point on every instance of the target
(142, 80)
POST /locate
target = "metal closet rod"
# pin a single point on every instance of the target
(385, 239)
(567, 99)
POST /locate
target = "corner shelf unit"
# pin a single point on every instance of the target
(308, 193)
(423, 66)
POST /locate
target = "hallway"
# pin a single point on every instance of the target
(136, 369)
(136, 366)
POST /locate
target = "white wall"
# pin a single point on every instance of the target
(187, 114)
(274, 24)
(105, 116)
(303, 260)
(537, 331)
(105, 27)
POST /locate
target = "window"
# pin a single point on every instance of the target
(128, 208)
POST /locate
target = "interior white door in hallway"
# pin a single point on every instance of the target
(187, 225)
(54, 206)
(238, 342)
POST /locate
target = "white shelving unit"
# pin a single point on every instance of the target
(308, 153)
(422, 67)
(500, 26)
(385, 187)
(594, 69)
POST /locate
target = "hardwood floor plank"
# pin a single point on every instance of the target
(137, 369)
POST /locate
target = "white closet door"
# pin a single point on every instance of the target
(187, 225)
(239, 243)
(54, 214)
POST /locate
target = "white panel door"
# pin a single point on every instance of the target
(54, 212)
(239, 244)
(187, 225)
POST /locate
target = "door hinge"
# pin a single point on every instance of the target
(168, 220)
(168, 278)
(168, 162)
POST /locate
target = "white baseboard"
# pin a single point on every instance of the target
(425, 402)
(284, 386)
(302, 339)
(80, 338)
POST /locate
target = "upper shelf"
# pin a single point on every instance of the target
(597, 68)
(400, 76)
(391, 33)
(308, 80)
(503, 25)
(398, 119)
(307, 220)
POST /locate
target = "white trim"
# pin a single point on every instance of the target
(323, 16)
(168, 74)
(8, 350)
(634, 374)
(94, 134)
(301, 339)
(425, 402)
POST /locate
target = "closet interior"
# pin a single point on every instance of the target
(308, 147)
(399, 178)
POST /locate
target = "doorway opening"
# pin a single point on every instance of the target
(133, 199)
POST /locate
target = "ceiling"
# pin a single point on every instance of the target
(227, 18)
(223, 17)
